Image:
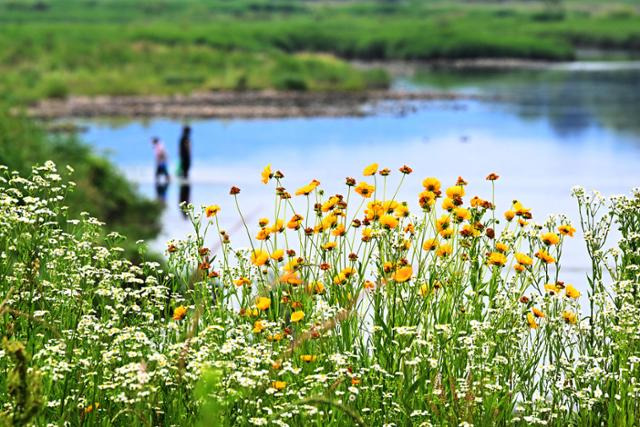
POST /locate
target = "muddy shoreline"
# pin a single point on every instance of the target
(228, 104)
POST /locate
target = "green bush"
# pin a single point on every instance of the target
(56, 89)
(291, 82)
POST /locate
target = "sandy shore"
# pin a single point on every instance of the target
(250, 104)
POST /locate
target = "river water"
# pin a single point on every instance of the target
(548, 129)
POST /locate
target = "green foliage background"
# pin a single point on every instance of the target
(56, 48)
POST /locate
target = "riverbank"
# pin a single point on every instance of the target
(233, 104)
(65, 48)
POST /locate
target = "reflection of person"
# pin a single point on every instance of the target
(161, 191)
(185, 151)
(160, 154)
(185, 196)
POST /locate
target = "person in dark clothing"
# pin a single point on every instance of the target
(185, 151)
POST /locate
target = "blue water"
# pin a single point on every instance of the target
(547, 133)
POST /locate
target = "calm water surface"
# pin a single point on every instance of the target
(551, 129)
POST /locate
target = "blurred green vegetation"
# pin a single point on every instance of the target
(56, 48)
(101, 189)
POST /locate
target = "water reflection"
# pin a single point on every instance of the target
(572, 98)
(161, 191)
(185, 196)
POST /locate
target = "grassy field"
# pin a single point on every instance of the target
(352, 309)
(57, 48)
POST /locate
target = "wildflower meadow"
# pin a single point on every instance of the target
(342, 309)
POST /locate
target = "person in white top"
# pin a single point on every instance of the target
(160, 154)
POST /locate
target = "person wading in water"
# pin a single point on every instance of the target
(160, 154)
(185, 152)
(162, 178)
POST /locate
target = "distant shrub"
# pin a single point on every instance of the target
(56, 89)
(291, 82)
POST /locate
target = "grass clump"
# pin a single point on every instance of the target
(351, 308)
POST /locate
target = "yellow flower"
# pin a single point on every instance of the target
(276, 337)
(344, 275)
(572, 292)
(424, 290)
(508, 215)
(370, 170)
(497, 258)
(259, 257)
(401, 211)
(89, 409)
(368, 284)
(308, 358)
(446, 233)
(501, 247)
(266, 174)
(531, 320)
(570, 317)
(364, 189)
(316, 287)
(566, 230)
(545, 257)
(537, 312)
(431, 184)
(329, 221)
(262, 222)
(291, 278)
(455, 191)
(403, 274)
(330, 204)
(388, 221)
(430, 244)
(306, 189)
(277, 227)
(179, 313)
(263, 303)
(461, 214)
(366, 234)
(444, 250)
(521, 210)
(550, 238)
(443, 222)
(242, 281)
(387, 267)
(297, 316)
(258, 326)
(277, 255)
(519, 268)
(469, 230)
(279, 385)
(211, 210)
(263, 234)
(426, 199)
(293, 264)
(339, 230)
(447, 204)
(523, 259)
(329, 246)
(294, 222)
(552, 288)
